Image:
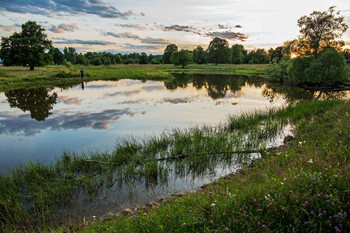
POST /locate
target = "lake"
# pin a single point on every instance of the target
(39, 124)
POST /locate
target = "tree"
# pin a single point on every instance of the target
(26, 47)
(237, 54)
(276, 54)
(218, 51)
(167, 53)
(57, 56)
(143, 58)
(200, 56)
(321, 30)
(70, 55)
(258, 56)
(183, 58)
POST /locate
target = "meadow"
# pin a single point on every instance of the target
(22, 77)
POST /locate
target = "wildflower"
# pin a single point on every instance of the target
(254, 200)
(282, 183)
(310, 161)
(213, 204)
(94, 217)
(226, 229)
(144, 214)
(167, 216)
(184, 224)
(263, 226)
(190, 211)
(260, 210)
(327, 201)
(183, 206)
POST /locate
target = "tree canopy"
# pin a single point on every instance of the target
(321, 30)
(168, 51)
(26, 47)
(219, 51)
(182, 57)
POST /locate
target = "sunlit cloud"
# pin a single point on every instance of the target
(228, 35)
(70, 101)
(64, 27)
(157, 41)
(8, 28)
(180, 28)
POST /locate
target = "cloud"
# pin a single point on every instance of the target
(124, 93)
(64, 27)
(238, 26)
(224, 27)
(22, 124)
(176, 100)
(158, 41)
(132, 47)
(133, 26)
(70, 101)
(142, 14)
(45, 7)
(179, 28)
(9, 28)
(85, 42)
(228, 35)
(126, 35)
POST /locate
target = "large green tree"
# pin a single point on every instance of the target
(200, 56)
(27, 47)
(237, 53)
(321, 30)
(182, 57)
(219, 51)
(57, 56)
(168, 51)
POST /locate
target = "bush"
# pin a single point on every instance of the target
(327, 70)
(277, 72)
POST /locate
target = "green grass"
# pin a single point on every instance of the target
(50, 76)
(302, 187)
(32, 194)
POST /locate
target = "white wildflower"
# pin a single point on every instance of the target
(310, 161)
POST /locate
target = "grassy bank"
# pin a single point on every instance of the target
(302, 187)
(50, 76)
(33, 194)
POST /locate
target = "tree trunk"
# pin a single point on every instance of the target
(31, 67)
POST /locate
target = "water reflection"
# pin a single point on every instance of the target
(38, 101)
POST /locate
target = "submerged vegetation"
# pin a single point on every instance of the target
(38, 196)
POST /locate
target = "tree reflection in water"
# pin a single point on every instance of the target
(38, 101)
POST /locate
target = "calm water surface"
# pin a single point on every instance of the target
(39, 124)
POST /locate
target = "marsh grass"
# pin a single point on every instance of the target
(33, 193)
(302, 187)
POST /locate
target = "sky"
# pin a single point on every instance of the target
(149, 25)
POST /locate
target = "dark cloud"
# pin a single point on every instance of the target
(45, 7)
(127, 35)
(154, 88)
(24, 125)
(124, 93)
(179, 28)
(224, 27)
(238, 26)
(176, 100)
(142, 14)
(85, 42)
(157, 41)
(228, 35)
(64, 27)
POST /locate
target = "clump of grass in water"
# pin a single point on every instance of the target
(35, 190)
